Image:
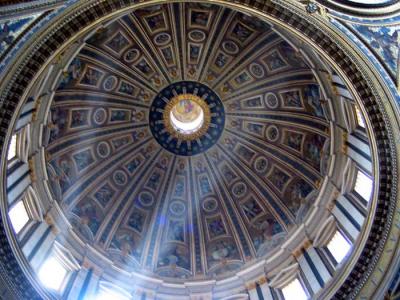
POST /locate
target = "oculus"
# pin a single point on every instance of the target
(187, 114)
(187, 118)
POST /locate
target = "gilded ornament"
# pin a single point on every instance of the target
(198, 103)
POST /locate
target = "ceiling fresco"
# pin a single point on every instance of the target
(187, 208)
(384, 42)
(11, 29)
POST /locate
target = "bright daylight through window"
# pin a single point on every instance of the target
(363, 185)
(18, 216)
(360, 119)
(338, 247)
(12, 149)
(294, 291)
(111, 294)
(52, 274)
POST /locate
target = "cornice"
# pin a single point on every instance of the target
(363, 10)
(377, 102)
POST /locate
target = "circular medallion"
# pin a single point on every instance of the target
(197, 35)
(131, 55)
(103, 149)
(257, 70)
(177, 208)
(230, 47)
(239, 189)
(120, 177)
(271, 100)
(100, 116)
(210, 204)
(261, 164)
(110, 83)
(162, 39)
(272, 133)
(146, 199)
(187, 118)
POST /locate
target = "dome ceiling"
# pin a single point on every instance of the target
(163, 203)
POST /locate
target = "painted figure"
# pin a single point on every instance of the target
(241, 32)
(255, 128)
(154, 180)
(292, 99)
(179, 187)
(242, 78)
(199, 18)
(120, 115)
(167, 52)
(216, 227)
(176, 231)
(251, 209)
(91, 77)
(294, 140)
(87, 211)
(118, 42)
(156, 22)
(312, 96)
(72, 74)
(175, 256)
(125, 242)
(79, 118)
(245, 153)
(132, 165)
(221, 60)
(104, 195)
(194, 52)
(313, 149)
(274, 61)
(222, 250)
(144, 67)
(204, 185)
(136, 220)
(228, 173)
(83, 159)
(278, 178)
